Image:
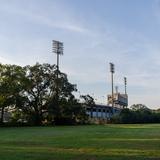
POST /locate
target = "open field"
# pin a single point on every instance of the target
(110, 142)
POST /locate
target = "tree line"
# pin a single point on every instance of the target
(29, 94)
(137, 113)
(41, 94)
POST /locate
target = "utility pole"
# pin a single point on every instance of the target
(112, 70)
(58, 50)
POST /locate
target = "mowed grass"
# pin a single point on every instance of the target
(94, 142)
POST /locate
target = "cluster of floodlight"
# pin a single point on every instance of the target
(57, 47)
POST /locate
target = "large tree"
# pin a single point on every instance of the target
(38, 93)
(39, 89)
(50, 97)
(11, 87)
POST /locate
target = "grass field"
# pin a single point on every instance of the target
(97, 142)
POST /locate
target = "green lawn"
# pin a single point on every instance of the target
(97, 142)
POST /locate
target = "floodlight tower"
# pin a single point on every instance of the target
(112, 70)
(125, 84)
(58, 50)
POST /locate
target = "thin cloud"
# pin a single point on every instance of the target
(62, 21)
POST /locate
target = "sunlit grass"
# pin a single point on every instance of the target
(111, 142)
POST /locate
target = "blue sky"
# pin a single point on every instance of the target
(94, 32)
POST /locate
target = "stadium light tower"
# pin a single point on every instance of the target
(58, 50)
(125, 84)
(112, 70)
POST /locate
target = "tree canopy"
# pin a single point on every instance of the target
(30, 93)
(138, 113)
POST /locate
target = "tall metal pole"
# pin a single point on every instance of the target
(57, 62)
(125, 84)
(112, 72)
(112, 91)
(58, 50)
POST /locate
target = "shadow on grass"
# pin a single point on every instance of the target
(68, 156)
(39, 153)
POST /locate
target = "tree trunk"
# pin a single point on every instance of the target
(2, 115)
(38, 121)
(38, 118)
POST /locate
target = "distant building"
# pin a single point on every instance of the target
(99, 111)
(119, 100)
